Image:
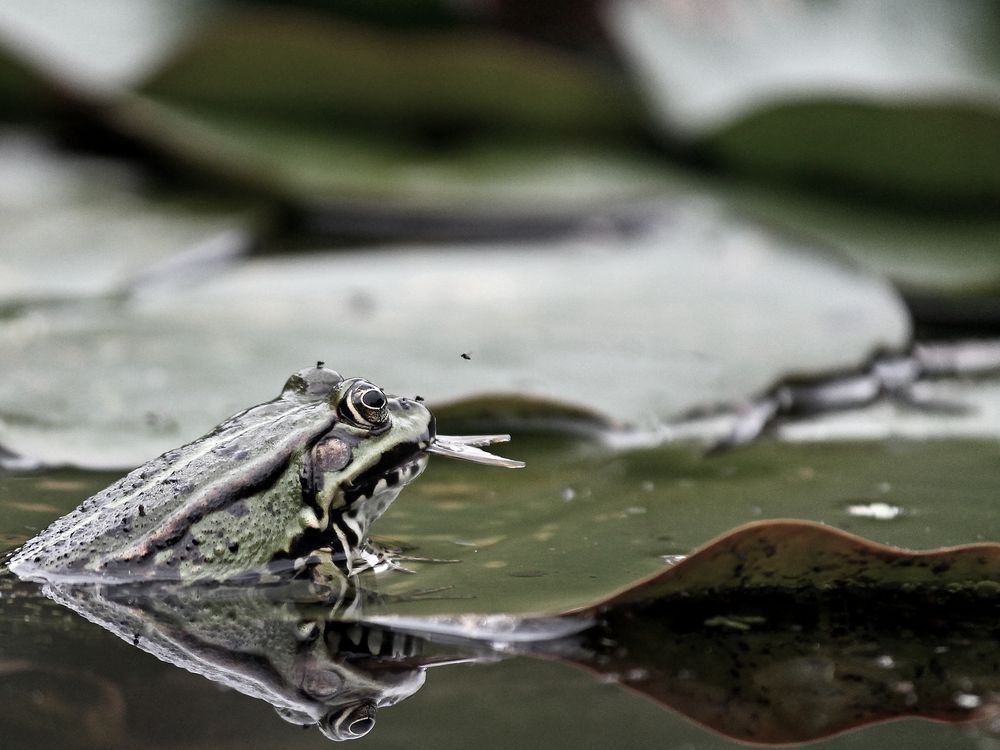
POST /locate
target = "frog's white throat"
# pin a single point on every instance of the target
(352, 523)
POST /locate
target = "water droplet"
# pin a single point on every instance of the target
(967, 700)
(877, 511)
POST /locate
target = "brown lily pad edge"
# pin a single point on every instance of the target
(786, 632)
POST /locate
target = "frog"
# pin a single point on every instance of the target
(290, 485)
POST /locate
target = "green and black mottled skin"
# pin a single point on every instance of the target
(291, 482)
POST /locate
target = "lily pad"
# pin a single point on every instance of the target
(580, 524)
(576, 526)
(98, 48)
(892, 98)
(930, 253)
(59, 212)
(295, 103)
(802, 556)
(308, 67)
(678, 318)
(21, 91)
(333, 165)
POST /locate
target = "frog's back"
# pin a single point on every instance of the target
(152, 507)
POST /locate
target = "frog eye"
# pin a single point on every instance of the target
(365, 405)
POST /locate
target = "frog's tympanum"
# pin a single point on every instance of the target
(281, 487)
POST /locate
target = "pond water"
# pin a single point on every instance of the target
(172, 668)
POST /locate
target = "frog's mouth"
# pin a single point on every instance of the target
(466, 447)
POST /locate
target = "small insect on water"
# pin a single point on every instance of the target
(280, 488)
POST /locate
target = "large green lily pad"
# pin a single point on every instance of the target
(891, 97)
(575, 526)
(628, 329)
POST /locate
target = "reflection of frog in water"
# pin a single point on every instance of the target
(291, 484)
(263, 642)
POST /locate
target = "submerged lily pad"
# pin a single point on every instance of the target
(702, 308)
(899, 98)
(573, 527)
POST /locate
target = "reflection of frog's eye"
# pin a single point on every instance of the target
(365, 405)
(348, 723)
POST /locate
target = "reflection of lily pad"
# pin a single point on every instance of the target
(888, 96)
(700, 309)
(785, 668)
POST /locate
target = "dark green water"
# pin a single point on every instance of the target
(766, 669)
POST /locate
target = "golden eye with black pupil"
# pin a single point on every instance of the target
(365, 405)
